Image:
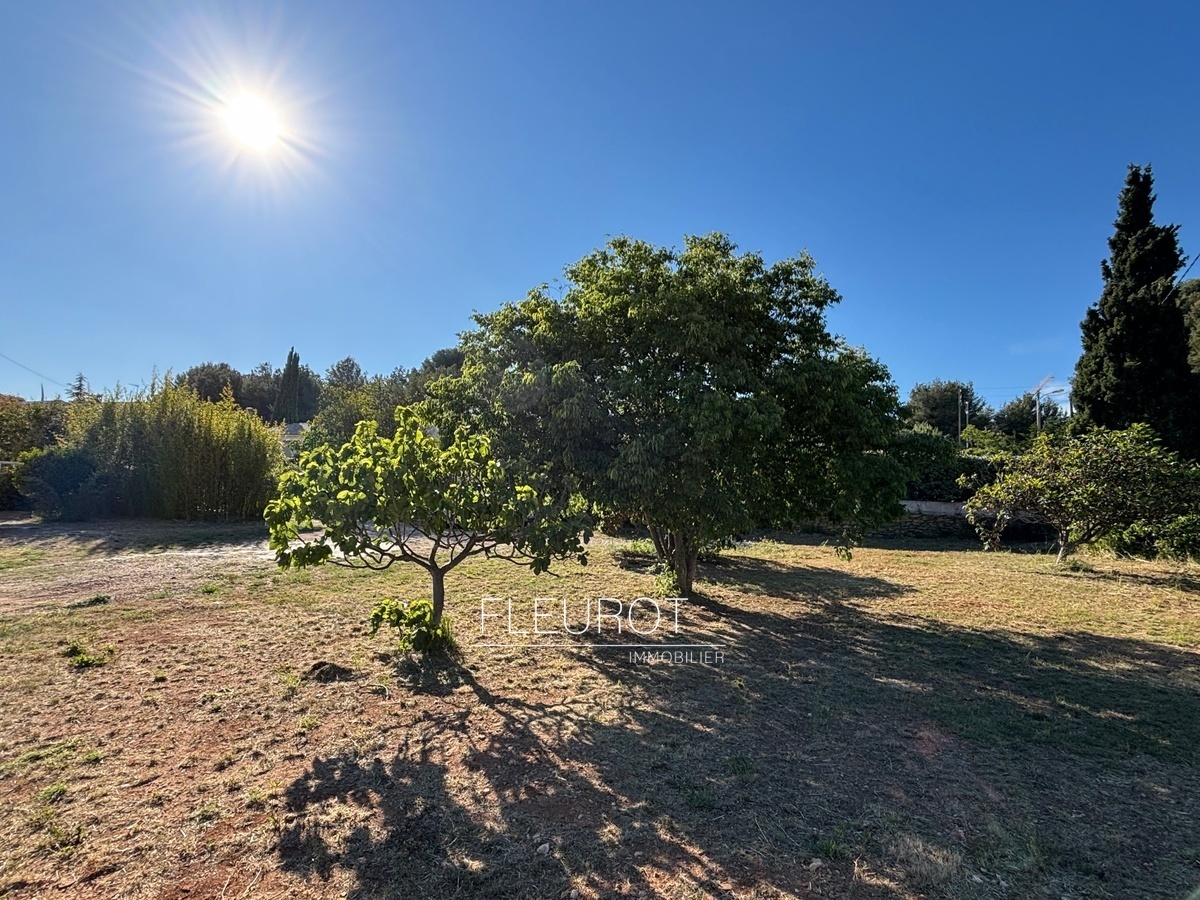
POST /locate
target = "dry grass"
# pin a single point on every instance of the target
(911, 723)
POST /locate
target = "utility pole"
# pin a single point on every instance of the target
(960, 415)
(1037, 400)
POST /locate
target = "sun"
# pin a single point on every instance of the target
(253, 122)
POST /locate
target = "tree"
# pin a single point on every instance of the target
(948, 406)
(287, 404)
(1018, 418)
(1134, 366)
(1188, 298)
(410, 499)
(1089, 485)
(341, 410)
(299, 392)
(695, 392)
(79, 390)
(209, 380)
(260, 390)
(346, 374)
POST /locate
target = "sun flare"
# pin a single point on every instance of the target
(253, 122)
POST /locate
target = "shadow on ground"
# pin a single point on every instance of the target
(109, 537)
(911, 758)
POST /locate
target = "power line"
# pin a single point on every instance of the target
(1176, 285)
(35, 372)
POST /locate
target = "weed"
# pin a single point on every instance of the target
(209, 589)
(98, 600)
(414, 622)
(306, 724)
(256, 799)
(225, 762)
(55, 755)
(666, 584)
(291, 682)
(740, 766)
(81, 658)
(51, 793)
(207, 811)
(701, 798)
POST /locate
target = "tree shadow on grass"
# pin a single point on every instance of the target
(832, 728)
(487, 796)
(110, 536)
(1179, 581)
(788, 581)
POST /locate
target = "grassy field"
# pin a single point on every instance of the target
(915, 722)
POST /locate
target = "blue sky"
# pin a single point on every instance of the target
(954, 169)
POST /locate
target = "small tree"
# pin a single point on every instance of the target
(1088, 486)
(411, 499)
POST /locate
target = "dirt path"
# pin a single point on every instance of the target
(132, 561)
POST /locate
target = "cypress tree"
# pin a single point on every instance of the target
(287, 406)
(1134, 366)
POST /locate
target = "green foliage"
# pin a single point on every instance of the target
(80, 657)
(1187, 296)
(1088, 486)
(342, 408)
(345, 374)
(666, 583)
(1177, 538)
(287, 403)
(981, 442)
(25, 426)
(412, 499)
(695, 392)
(60, 482)
(414, 621)
(1134, 366)
(1018, 418)
(210, 380)
(947, 406)
(937, 469)
(164, 453)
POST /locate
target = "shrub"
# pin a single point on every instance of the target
(1177, 538)
(1089, 486)
(53, 480)
(164, 453)
(414, 622)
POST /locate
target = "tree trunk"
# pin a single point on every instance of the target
(439, 595)
(1064, 547)
(684, 553)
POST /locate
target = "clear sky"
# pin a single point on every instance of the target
(953, 167)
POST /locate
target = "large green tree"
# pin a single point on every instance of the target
(1134, 366)
(695, 391)
(947, 406)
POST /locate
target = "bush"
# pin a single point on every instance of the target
(1087, 487)
(1177, 538)
(937, 469)
(414, 622)
(53, 480)
(163, 454)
